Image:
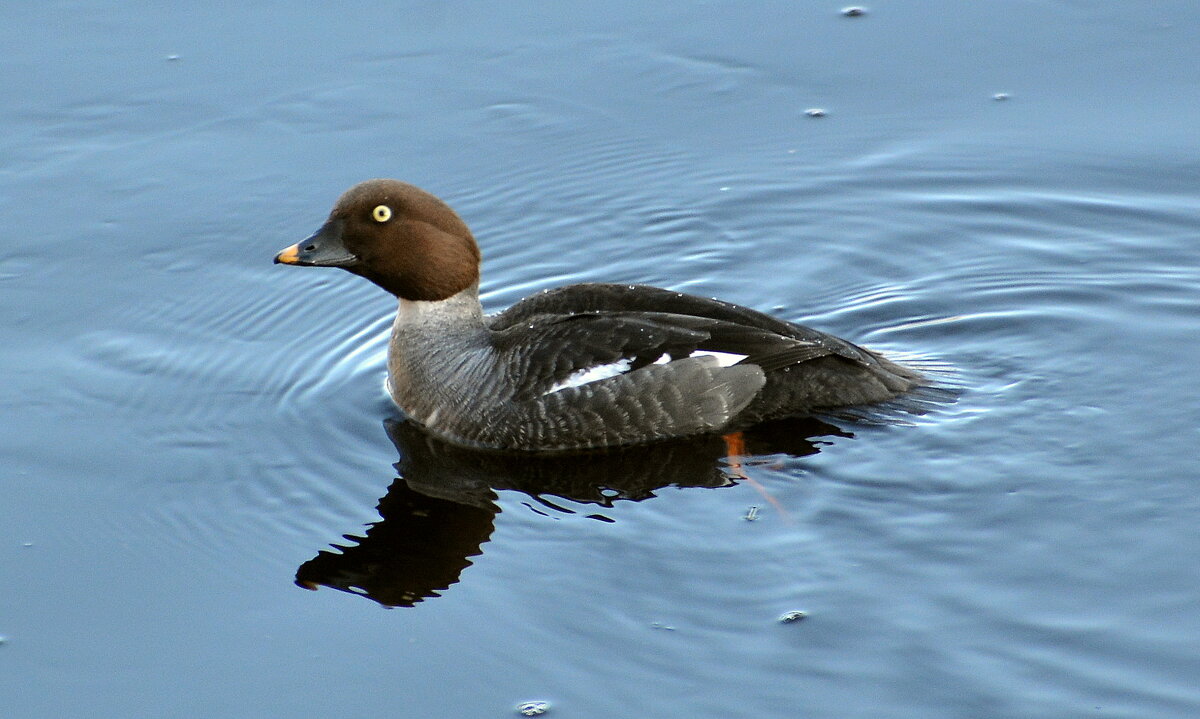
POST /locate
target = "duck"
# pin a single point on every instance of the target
(579, 367)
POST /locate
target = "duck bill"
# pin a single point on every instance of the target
(323, 248)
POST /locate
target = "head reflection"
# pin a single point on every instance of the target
(440, 510)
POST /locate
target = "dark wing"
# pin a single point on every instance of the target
(737, 323)
(787, 368)
(546, 349)
(541, 350)
(641, 400)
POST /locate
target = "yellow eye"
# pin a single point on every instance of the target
(382, 213)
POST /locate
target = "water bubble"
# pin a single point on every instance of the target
(532, 709)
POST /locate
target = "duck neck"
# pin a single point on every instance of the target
(460, 311)
(437, 351)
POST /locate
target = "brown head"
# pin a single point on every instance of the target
(396, 235)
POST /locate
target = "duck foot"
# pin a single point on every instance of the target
(735, 452)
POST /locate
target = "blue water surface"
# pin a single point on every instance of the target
(1004, 192)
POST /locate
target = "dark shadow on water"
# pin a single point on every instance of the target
(440, 510)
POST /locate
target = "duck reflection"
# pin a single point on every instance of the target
(440, 510)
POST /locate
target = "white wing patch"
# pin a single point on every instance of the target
(588, 375)
(724, 359)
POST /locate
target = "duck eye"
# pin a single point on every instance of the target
(382, 213)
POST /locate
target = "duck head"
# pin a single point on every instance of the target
(396, 235)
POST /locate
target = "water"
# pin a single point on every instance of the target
(187, 427)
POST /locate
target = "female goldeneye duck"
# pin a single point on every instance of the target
(588, 365)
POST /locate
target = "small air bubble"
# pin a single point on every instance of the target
(724, 189)
(172, 58)
(1001, 96)
(532, 709)
(815, 112)
(793, 616)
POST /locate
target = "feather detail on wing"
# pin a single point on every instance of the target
(646, 301)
